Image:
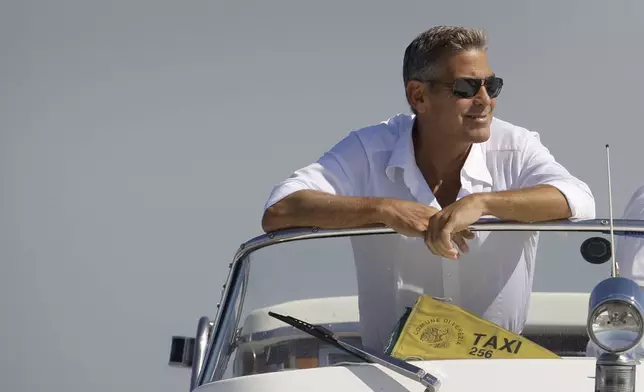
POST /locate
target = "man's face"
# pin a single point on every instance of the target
(457, 118)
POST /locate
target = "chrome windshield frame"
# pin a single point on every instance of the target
(223, 339)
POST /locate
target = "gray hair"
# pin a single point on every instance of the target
(424, 55)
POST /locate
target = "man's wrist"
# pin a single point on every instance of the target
(381, 208)
(485, 202)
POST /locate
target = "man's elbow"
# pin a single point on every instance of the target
(270, 220)
(274, 217)
(588, 210)
(583, 206)
(578, 198)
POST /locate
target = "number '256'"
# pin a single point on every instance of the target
(480, 352)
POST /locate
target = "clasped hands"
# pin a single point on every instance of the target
(441, 229)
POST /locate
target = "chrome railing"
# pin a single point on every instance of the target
(222, 340)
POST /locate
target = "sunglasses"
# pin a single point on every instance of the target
(469, 87)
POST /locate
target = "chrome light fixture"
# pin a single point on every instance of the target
(616, 318)
(616, 326)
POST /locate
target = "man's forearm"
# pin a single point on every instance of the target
(535, 204)
(309, 208)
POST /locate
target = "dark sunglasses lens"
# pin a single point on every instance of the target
(493, 87)
(466, 88)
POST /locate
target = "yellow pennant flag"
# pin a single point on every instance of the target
(437, 330)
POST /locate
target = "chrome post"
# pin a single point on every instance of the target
(615, 373)
(204, 330)
(222, 341)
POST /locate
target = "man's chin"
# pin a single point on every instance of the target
(478, 135)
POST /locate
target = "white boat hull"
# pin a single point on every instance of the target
(497, 375)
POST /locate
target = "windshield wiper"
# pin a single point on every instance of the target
(404, 368)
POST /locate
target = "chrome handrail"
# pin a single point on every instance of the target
(221, 341)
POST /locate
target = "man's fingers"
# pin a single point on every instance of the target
(432, 233)
(429, 241)
(439, 238)
(467, 234)
(442, 238)
(459, 240)
(444, 244)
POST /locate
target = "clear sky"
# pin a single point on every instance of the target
(140, 139)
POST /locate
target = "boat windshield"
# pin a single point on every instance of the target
(360, 286)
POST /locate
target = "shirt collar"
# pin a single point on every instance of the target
(475, 165)
(402, 157)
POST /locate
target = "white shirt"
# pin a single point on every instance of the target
(494, 279)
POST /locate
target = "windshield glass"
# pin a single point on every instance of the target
(360, 287)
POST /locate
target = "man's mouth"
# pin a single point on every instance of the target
(476, 116)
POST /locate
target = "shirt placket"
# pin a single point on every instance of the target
(451, 286)
(450, 268)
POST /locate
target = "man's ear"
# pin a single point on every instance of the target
(417, 95)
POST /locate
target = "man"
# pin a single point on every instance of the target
(429, 176)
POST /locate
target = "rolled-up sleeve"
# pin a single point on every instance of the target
(538, 167)
(343, 170)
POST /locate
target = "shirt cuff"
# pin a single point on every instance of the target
(284, 189)
(580, 200)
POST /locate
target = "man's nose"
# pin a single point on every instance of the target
(482, 97)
